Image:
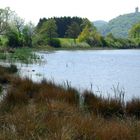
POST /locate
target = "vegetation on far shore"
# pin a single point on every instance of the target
(60, 32)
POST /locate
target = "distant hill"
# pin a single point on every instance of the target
(99, 23)
(120, 25)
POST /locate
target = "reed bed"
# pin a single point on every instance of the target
(45, 110)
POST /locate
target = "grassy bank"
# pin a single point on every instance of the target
(24, 55)
(48, 111)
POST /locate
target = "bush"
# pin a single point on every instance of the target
(13, 39)
(39, 40)
(54, 42)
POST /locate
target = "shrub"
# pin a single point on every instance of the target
(14, 40)
(54, 42)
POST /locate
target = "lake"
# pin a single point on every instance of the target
(99, 70)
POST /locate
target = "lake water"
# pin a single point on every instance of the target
(98, 70)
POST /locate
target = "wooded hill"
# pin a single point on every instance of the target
(120, 25)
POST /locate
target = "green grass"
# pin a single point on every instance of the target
(71, 43)
(66, 40)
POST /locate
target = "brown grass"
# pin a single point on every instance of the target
(133, 108)
(39, 111)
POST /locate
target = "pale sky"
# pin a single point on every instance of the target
(33, 10)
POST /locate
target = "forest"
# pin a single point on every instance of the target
(120, 25)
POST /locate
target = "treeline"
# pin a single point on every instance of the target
(63, 24)
(59, 32)
(85, 33)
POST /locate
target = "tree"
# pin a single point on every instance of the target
(5, 15)
(91, 36)
(18, 23)
(84, 34)
(14, 31)
(73, 30)
(13, 38)
(28, 32)
(134, 34)
(49, 29)
(135, 31)
(63, 23)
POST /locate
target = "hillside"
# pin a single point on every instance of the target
(99, 23)
(120, 25)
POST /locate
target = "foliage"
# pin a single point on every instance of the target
(54, 42)
(135, 31)
(91, 36)
(14, 40)
(28, 32)
(119, 43)
(39, 40)
(134, 34)
(49, 29)
(63, 23)
(5, 15)
(84, 34)
(73, 30)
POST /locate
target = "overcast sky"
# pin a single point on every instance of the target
(33, 10)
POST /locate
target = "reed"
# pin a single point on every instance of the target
(47, 110)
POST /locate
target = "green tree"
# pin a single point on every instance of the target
(5, 16)
(135, 31)
(73, 30)
(84, 34)
(28, 32)
(49, 29)
(14, 31)
(134, 34)
(18, 23)
(91, 36)
(13, 38)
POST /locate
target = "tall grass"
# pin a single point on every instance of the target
(24, 55)
(46, 110)
(106, 107)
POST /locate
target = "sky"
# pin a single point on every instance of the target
(33, 10)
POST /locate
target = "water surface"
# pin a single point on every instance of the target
(98, 70)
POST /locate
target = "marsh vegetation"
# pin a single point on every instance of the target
(47, 110)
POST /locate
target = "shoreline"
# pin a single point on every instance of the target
(48, 48)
